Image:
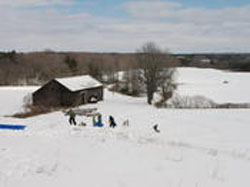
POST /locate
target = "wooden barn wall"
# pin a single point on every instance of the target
(71, 99)
(49, 95)
(81, 97)
(55, 94)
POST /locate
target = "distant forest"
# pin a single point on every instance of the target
(38, 67)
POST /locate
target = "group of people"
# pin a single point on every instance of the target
(99, 123)
(96, 122)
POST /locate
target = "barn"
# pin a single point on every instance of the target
(70, 91)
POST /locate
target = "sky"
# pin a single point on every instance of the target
(178, 26)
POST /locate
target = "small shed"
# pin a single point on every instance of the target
(70, 91)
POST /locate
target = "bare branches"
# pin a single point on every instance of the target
(154, 65)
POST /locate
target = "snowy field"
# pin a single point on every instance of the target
(220, 86)
(196, 148)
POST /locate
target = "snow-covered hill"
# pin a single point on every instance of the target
(220, 86)
(195, 148)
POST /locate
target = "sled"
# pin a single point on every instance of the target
(12, 127)
(85, 112)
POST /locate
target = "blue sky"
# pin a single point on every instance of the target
(114, 7)
(214, 3)
(123, 26)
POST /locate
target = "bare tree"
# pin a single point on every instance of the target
(153, 64)
(95, 70)
(167, 83)
(131, 83)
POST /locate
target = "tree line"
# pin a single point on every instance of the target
(147, 71)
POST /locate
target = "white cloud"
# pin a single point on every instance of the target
(19, 3)
(151, 9)
(171, 11)
(177, 28)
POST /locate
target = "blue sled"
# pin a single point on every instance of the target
(12, 127)
(98, 124)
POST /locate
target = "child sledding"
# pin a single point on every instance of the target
(97, 123)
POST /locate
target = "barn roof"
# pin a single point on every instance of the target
(77, 83)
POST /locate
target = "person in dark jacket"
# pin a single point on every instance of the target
(156, 128)
(112, 122)
(72, 116)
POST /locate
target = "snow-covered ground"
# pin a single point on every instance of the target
(220, 86)
(196, 148)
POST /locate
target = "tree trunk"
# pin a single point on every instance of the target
(150, 97)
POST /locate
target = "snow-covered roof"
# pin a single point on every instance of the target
(79, 82)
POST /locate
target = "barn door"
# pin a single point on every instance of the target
(83, 98)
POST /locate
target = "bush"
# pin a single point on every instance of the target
(32, 110)
(178, 101)
(198, 102)
(240, 66)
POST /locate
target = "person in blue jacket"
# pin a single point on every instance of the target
(99, 121)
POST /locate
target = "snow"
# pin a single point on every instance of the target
(79, 82)
(11, 98)
(211, 83)
(200, 148)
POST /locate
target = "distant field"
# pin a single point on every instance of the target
(220, 86)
